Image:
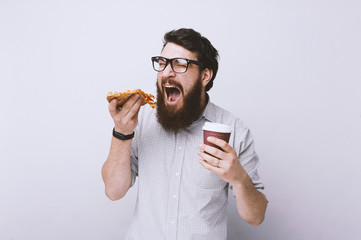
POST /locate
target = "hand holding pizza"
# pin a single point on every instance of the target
(124, 108)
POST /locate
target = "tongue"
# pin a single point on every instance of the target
(173, 95)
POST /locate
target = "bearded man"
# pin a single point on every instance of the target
(182, 183)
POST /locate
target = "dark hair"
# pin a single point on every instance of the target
(195, 42)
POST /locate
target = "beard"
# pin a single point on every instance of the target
(172, 119)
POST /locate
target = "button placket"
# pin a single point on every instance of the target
(175, 184)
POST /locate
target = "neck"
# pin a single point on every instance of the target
(204, 100)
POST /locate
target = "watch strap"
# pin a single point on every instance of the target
(122, 136)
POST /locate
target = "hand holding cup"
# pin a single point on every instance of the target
(218, 156)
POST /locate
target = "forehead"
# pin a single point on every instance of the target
(172, 50)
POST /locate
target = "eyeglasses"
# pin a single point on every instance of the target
(179, 65)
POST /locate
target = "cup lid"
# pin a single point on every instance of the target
(216, 127)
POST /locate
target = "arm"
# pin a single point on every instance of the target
(251, 204)
(116, 172)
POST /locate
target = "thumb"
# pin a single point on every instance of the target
(113, 107)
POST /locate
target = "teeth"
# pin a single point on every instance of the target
(168, 85)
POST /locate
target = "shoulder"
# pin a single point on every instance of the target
(224, 116)
(241, 134)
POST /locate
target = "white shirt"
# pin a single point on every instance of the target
(177, 197)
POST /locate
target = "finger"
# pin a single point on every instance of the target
(127, 106)
(212, 151)
(112, 107)
(135, 116)
(220, 143)
(211, 168)
(133, 112)
(209, 158)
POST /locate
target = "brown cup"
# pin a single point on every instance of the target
(216, 130)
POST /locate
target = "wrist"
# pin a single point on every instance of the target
(122, 130)
(241, 181)
(122, 136)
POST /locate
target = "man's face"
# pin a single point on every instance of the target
(175, 86)
(179, 95)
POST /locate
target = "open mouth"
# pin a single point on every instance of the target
(172, 93)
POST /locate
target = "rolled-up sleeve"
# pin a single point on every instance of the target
(248, 156)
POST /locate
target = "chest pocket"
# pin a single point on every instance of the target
(200, 177)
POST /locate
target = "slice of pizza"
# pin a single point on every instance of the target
(123, 97)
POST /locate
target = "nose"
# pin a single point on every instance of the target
(168, 71)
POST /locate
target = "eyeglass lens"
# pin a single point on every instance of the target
(179, 65)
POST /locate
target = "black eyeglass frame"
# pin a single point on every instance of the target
(167, 60)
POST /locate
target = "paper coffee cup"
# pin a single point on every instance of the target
(216, 130)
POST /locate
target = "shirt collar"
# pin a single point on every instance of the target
(209, 112)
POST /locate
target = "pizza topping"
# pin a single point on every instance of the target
(123, 97)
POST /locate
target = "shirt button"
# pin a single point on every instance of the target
(180, 148)
(177, 174)
(175, 196)
(172, 222)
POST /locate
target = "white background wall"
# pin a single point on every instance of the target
(291, 70)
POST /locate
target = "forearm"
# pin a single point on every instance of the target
(251, 204)
(116, 172)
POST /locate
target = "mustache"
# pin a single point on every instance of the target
(172, 82)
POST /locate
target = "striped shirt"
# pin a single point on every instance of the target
(177, 197)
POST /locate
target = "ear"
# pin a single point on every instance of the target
(206, 76)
